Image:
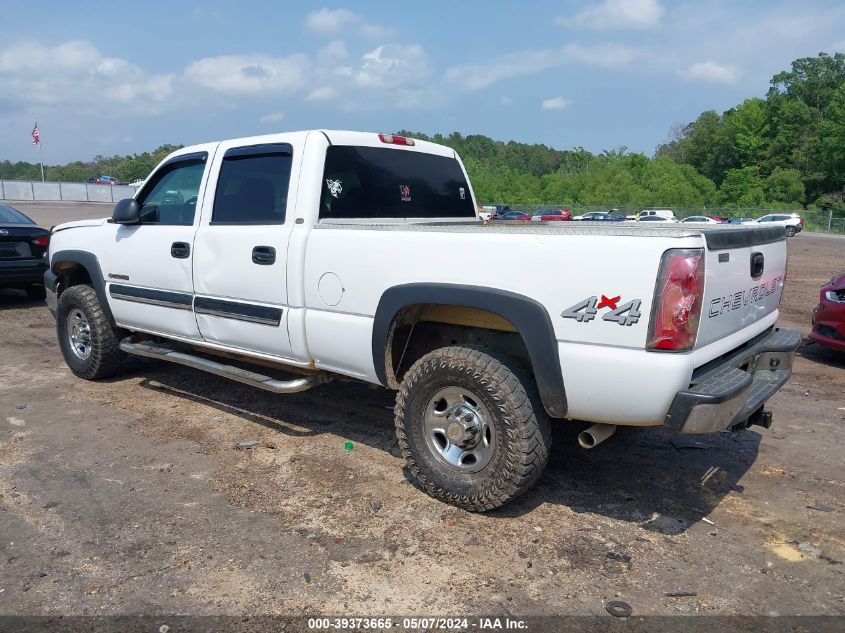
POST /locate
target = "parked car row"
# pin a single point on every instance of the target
(792, 222)
(104, 180)
(111, 180)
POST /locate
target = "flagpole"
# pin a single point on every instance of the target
(41, 156)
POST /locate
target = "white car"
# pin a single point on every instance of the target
(699, 219)
(137, 183)
(360, 256)
(663, 213)
(792, 222)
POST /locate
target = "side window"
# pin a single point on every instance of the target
(253, 185)
(171, 195)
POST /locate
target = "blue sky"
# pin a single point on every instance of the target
(115, 78)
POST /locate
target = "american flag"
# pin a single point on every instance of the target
(35, 136)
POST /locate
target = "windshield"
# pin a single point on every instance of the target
(8, 215)
(376, 182)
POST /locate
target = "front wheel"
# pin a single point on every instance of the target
(471, 428)
(790, 231)
(87, 340)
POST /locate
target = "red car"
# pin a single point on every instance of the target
(548, 215)
(829, 315)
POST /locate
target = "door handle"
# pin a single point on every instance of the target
(264, 255)
(180, 250)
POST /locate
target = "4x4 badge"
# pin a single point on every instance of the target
(586, 310)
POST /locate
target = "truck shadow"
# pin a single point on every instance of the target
(820, 354)
(11, 299)
(661, 481)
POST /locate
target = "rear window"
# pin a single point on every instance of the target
(376, 182)
(8, 215)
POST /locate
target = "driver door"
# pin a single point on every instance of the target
(148, 266)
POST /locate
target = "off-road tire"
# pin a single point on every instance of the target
(36, 292)
(523, 435)
(790, 231)
(106, 356)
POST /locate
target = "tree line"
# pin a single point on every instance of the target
(783, 151)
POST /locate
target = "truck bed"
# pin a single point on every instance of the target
(716, 235)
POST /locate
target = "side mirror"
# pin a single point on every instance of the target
(126, 211)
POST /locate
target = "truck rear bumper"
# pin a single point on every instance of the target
(729, 390)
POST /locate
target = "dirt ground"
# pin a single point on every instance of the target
(128, 496)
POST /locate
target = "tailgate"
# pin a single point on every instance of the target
(745, 271)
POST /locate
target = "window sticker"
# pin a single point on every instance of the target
(405, 192)
(462, 193)
(335, 187)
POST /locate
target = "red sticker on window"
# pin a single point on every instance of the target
(405, 192)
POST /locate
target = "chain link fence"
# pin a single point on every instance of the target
(816, 221)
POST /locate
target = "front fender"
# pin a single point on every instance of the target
(87, 261)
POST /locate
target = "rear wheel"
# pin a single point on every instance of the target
(790, 231)
(471, 428)
(88, 342)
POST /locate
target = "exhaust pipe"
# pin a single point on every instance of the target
(595, 435)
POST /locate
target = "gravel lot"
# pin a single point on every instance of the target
(129, 496)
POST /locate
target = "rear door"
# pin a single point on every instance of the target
(745, 272)
(240, 266)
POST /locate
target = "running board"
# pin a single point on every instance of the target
(152, 350)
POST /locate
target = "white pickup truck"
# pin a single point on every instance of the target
(345, 254)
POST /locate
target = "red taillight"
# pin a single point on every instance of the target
(42, 240)
(395, 139)
(801, 221)
(677, 300)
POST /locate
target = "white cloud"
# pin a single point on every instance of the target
(326, 93)
(273, 117)
(522, 63)
(505, 100)
(713, 72)
(157, 88)
(556, 103)
(330, 21)
(332, 52)
(76, 73)
(376, 31)
(35, 57)
(394, 65)
(617, 14)
(250, 74)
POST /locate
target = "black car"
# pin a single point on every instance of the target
(509, 215)
(610, 216)
(22, 247)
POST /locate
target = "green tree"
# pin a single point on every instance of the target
(742, 187)
(784, 186)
